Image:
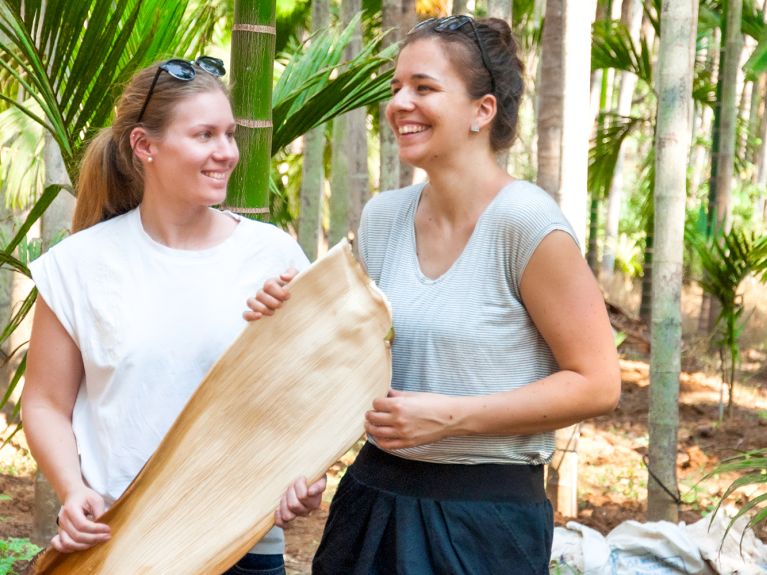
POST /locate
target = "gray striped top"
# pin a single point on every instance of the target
(467, 331)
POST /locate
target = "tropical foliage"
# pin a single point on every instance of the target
(727, 259)
(49, 81)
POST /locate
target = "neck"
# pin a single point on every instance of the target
(183, 227)
(461, 189)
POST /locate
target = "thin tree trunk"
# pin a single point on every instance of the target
(501, 9)
(408, 19)
(720, 214)
(700, 154)
(761, 172)
(340, 190)
(550, 98)
(562, 167)
(729, 71)
(754, 121)
(389, 173)
(313, 170)
(761, 158)
(460, 7)
(672, 141)
(632, 18)
(645, 304)
(595, 211)
(349, 188)
(253, 40)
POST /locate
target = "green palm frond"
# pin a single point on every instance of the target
(757, 62)
(711, 13)
(612, 131)
(703, 86)
(612, 47)
(316, 58)
(47, 50)
(727, 259)
(316, 86)
(752, 467)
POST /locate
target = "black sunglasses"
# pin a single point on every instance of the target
(455, 24)
(184, 70)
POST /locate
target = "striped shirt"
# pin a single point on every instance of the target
(466, 332)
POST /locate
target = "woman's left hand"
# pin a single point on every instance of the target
(406, 419)
(299, 500)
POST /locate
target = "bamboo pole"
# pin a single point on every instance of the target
(253, 41)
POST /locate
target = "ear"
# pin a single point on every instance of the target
(141, 144)
(486, 110)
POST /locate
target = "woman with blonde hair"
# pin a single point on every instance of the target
(501, 333)
(138, 303)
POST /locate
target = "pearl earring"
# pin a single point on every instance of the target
(149, 159)
(474, 128)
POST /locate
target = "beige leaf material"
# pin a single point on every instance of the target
(288, 398)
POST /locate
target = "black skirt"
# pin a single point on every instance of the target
(393, 516)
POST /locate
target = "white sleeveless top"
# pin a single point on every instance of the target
(150, 321)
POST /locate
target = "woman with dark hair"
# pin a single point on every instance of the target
(134, 308)
(501, 333)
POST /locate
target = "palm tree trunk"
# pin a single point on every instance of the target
(389, 173)
(460, 7)
(645, 304)
(503, 10)
(720, 213)
(672, 141)
(349, 189)
(761, 172)
(729, 73)
(313, 169)
(253, 40)
(761, 157)
(562, 168)
(631, 16)
(408, 19)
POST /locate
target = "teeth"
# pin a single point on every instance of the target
(215, 175)
(411, 129)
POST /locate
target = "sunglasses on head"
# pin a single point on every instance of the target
(456, 24)
(184, 70)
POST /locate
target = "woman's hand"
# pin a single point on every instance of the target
(299, 500)
(270, 297)
(78, 529)
(406, 419)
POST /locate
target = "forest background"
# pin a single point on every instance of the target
(596, 112)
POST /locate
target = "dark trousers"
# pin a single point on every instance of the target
(392, 516)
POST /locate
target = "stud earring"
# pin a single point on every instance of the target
(474, 128)
(149, 159)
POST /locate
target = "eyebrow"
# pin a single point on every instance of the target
(212, 126)
(419, 76)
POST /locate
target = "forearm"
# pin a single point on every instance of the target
(554, 402)
(52, 443)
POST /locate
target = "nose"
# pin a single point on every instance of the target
(401, 100)
(227, 150)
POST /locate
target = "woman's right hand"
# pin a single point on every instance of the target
(78, 529)
(270, 297)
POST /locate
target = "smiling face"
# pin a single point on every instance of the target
(192, 161)
(430, 110)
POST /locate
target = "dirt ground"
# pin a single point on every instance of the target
(612, 477)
